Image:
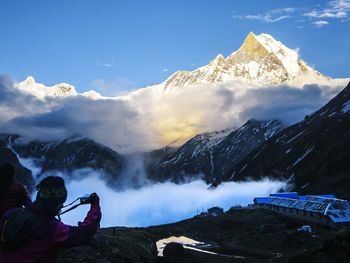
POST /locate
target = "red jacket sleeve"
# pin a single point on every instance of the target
(66, 236)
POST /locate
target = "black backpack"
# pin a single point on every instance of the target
(16, 228)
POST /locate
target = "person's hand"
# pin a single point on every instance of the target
(94, 199)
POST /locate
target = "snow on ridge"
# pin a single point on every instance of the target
(308, 150)
(296, 136)
(346, 107)
(210, 139)
(270, 131)
(40, 90)
(288, 57)
(216, 137)
(29, 85)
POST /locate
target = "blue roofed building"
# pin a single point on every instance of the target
(320, 209)
(293, 195)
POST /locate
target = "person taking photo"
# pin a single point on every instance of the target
(46, 234)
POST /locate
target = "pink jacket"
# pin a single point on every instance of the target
(49, 235)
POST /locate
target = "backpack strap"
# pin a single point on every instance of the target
(3, 230)
(16, 227)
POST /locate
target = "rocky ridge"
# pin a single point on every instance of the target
(22, 174)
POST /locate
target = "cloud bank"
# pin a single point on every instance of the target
(151, 118)
(176, 115)
(110, 122)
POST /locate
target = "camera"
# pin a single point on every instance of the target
(87, 199)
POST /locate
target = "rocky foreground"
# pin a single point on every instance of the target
(241, 235)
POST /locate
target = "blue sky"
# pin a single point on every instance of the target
(116, 46)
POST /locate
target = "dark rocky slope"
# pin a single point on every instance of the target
(23, 175)
(313, 155)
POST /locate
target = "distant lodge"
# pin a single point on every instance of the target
(320, 209)
(215, 211)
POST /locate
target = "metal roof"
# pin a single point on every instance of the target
(307, 205)
(262, 200)
(337, 209)
(286, 195)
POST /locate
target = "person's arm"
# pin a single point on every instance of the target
(66, 236)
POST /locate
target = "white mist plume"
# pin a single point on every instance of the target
(152, 204)
(161, 203)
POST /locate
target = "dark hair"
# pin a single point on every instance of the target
(52, 193)
(7, 174)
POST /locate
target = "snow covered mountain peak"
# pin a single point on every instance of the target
(252, 46)
(29, 85)
(264, 45)
(261, 60)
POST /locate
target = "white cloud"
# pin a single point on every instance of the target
(266, 18)
(284, 10)
(326, 14)
(105, 64)
(320, 23)
(165, 70)
(271, 16)
(337, 9)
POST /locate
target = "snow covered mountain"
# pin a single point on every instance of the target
(261, 59)
(39, 90)
(210, 154)
(69, 155)
(313, 155)
(169, 112)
